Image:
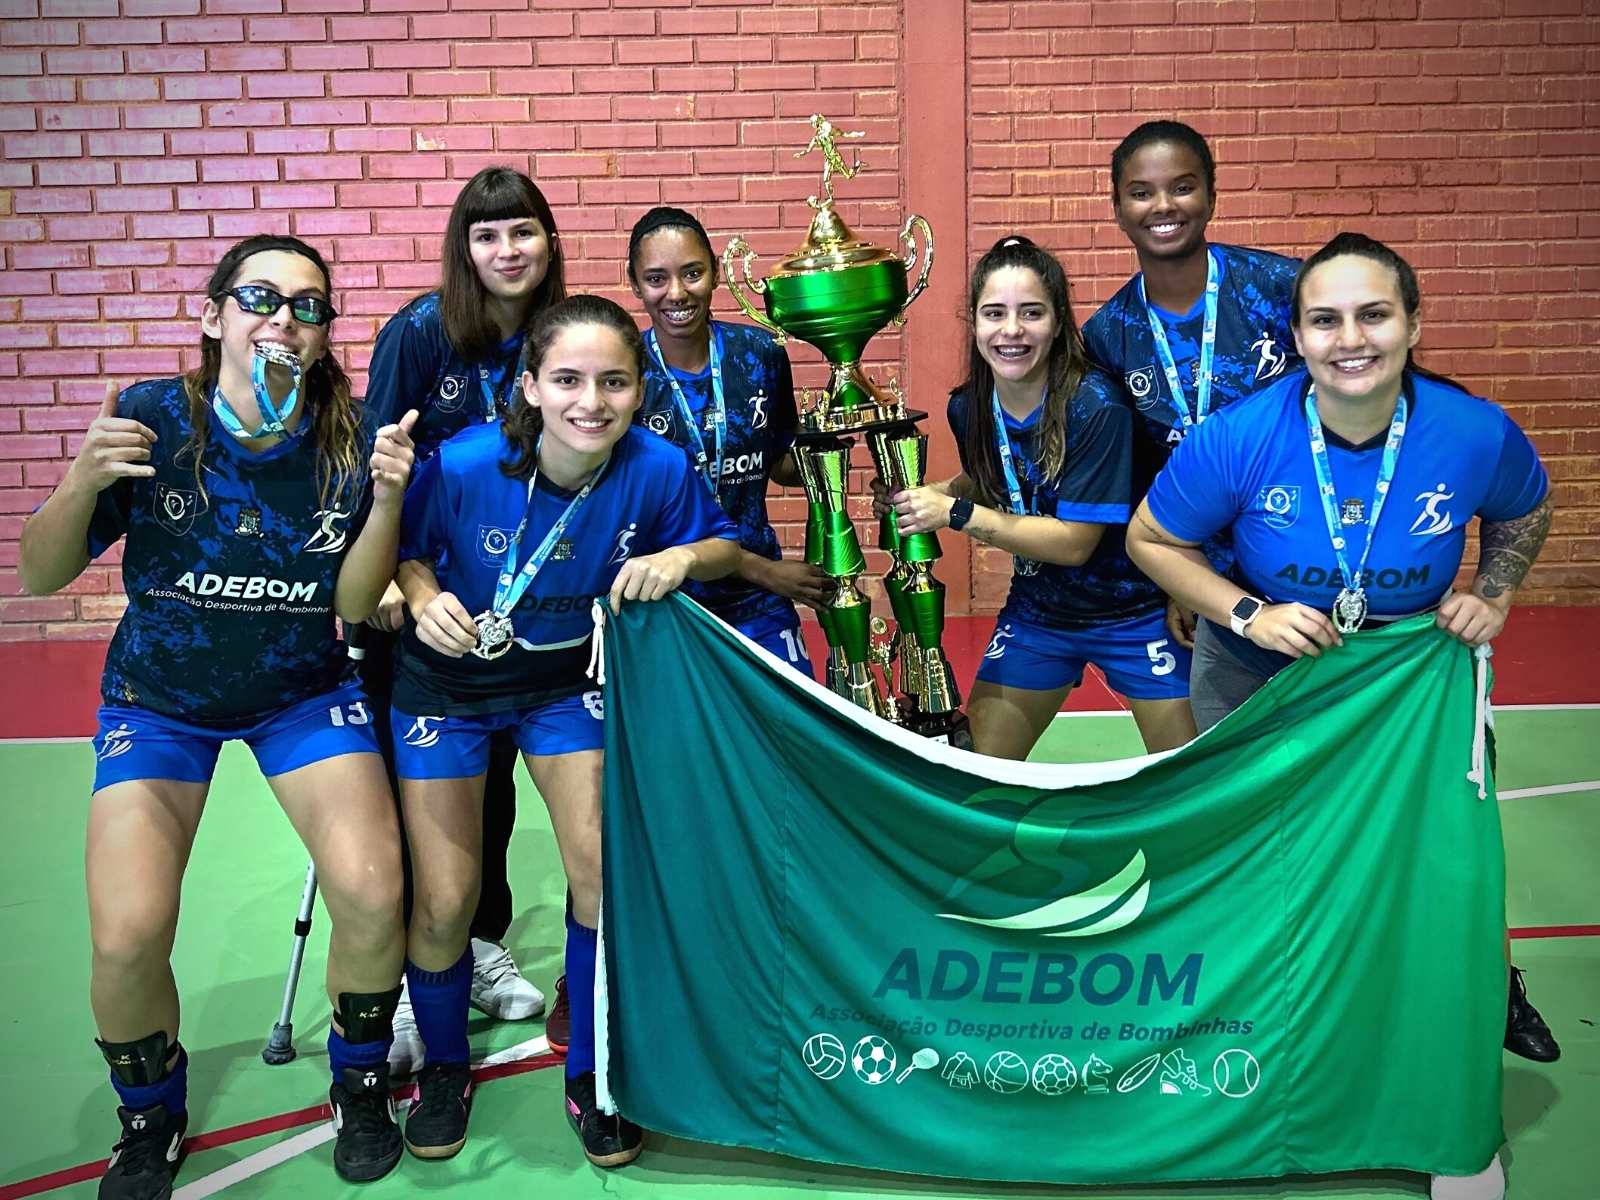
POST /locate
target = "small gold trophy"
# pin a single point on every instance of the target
(836, 292)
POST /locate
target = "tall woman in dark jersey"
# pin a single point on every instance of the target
(1046, 455)
(1201, 325)
(452, 354)
(724, 393)
(1406, 460)
(242, 492)
(511, 530)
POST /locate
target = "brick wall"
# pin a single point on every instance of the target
(138, 138)
(1464, 132)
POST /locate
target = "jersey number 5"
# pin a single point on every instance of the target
(1161, 661)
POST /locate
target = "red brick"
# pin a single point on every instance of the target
(327, 112)
(287, 29)
(330, 58)
(220, 30)
(209, 141)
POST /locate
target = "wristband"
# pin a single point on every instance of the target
(960, 514)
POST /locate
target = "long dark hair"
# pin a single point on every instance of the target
(493, 194)
(324, 389)
(1154, 132)
(524, 422)
(1360, 245)
(1068, 364)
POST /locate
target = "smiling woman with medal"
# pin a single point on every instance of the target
(451, 354)
(253, 505)
(1348, 488)
(724, 393)
(510, 532)
(1045, 452)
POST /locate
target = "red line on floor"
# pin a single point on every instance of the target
(253, 1129)
(1531, 931)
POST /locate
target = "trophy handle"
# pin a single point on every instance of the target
(916, 222)
(738, 252)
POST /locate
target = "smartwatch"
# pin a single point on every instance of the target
(1247, 610)
(960, 514)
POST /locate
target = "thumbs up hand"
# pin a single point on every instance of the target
(392, 456)
(115, 448)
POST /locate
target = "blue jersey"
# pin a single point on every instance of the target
(415, 366)
(1254, 347)
(230, 587)
(461, 511)
(1250, 469)
(1095, 488)
(758, 395)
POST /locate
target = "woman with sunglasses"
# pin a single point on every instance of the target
(253, 512)
(451, 354)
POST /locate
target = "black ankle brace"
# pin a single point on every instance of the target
(141, 1063)
(367, 1016)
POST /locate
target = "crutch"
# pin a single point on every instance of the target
(280, 1045)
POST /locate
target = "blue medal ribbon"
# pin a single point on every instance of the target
(491, 402)
(710, 472)
(1208, 349)
(1002, 441)
(494, 624)
(1350, 607)
(272, 418)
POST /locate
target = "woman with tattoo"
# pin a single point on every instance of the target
(1348, 487)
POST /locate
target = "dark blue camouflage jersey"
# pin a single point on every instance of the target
(1095, 487)
(230, 586)
(1255, 345)
(758, 394)
(415, 366)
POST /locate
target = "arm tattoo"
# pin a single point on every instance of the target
(1508, 548)
(1160, 535)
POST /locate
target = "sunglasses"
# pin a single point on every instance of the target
(264, 301)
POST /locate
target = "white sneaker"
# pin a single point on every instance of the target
(1487, 1184)
(498, 988)
(406, 1054)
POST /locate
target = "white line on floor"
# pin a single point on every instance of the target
(1554, 789)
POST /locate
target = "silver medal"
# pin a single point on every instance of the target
(494, 635)
(1349, 610)
(1025, 566)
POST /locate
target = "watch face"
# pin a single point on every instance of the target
(1246, 608)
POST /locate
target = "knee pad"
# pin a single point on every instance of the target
(367, 1016)
(141, 1063)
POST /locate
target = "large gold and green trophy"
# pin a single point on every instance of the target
(836, 292)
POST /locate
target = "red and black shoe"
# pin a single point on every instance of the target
(558, 1022)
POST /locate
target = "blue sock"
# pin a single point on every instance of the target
(172, 1090)
(581, 943)
(342, 1054)
(439, 1001)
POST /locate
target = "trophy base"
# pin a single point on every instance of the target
(952, 728)
(816, 423)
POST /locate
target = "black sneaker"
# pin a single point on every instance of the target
(147, 1156)
(608, 1140)
(558, 1024)
(367, 1144)
(1526, 1033)
(436, 1126)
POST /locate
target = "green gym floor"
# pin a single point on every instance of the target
(265, 1138)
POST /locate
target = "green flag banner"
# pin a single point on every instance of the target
(1275, 951)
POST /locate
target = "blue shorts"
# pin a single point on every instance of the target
(779, 635)
(1138, 656)
(458, 747)
(135, 743)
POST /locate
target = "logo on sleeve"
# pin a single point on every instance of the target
(451, 390)
(1142, 386)
(624, 545)
(758, 410)
(327, 539)
(1272, 361)
(176, 508)
(1430, 521)
(1281, 504)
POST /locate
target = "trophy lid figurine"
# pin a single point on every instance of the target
(835, 292)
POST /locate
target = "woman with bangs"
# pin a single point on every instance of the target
(451, 354)
(253, 512)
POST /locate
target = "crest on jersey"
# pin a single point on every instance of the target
(176, 508)
(561, 551)
(249, 523)
(659, 423)
(327, 539)
(451, 390)
(1142, 387)
(1430, 521)
(758, 410)
(492, 545)
(1281, 504)
(624, 545)
(1271, 360)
